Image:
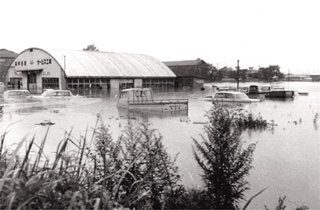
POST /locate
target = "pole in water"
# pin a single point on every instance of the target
(238, 69)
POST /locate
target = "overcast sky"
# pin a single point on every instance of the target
(258, 33)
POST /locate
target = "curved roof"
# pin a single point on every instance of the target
(79, 63)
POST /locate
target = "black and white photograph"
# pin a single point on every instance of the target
(147, 105)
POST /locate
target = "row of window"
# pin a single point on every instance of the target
(88, 80)
(157, 81)
(50, 83)
(93, 83)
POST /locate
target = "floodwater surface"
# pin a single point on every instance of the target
(286, 159)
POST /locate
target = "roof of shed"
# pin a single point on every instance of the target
(183, 63)
(4, 53)
(79, 63)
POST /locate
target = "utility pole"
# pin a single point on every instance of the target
(238, 69)
(64, 63)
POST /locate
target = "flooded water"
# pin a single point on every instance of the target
(286, 159)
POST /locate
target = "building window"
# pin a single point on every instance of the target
(15, 83)
(50, 83)
(88, 83)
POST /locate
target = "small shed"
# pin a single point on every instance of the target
(189, 72)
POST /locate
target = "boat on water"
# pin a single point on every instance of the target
(232, 97)
(303, 93)
(271, 91)
(142, 99)
(280, 94)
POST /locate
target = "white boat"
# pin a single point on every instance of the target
(142, 99)
(232, 97)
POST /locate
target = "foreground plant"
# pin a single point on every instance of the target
(97, 173)
(221, 156)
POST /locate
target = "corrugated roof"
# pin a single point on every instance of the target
(4, 53)
(183, 63)
(108, 64)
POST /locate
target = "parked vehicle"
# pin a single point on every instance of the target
(232, 97)
(16, 94)
(142, 99)
(56, 94)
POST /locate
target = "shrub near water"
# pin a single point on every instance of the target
(224, 162)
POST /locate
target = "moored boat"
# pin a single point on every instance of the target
(280, 94)
(142, 99)
(270, 91)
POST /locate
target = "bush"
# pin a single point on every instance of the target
(220, 155)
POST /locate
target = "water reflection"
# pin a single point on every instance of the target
(146, 114)
(281, 99)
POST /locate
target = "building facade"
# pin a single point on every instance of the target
(35, 69)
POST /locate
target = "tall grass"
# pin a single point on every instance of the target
(98, 173)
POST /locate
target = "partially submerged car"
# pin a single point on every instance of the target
(55, 94)
(232, 97)
(16, 94)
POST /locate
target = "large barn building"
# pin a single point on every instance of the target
(36, 69)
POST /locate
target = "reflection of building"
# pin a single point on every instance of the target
(36, 69)
(6, 57)
(297, 77)
(189, 73)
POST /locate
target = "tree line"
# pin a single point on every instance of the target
(211, 73)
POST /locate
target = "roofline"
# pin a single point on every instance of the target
(40, 50)
(124, 77)
(190, 76)
(10, 52)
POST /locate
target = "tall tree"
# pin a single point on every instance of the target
(269, 72)
(91, 47)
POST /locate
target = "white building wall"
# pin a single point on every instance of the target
(114, 83)
(36, 59)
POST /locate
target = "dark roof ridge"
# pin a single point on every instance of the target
(4, 53)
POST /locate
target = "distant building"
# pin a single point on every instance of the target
(6, 57)
(315, 77)
(35, 69)
(189, 72)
